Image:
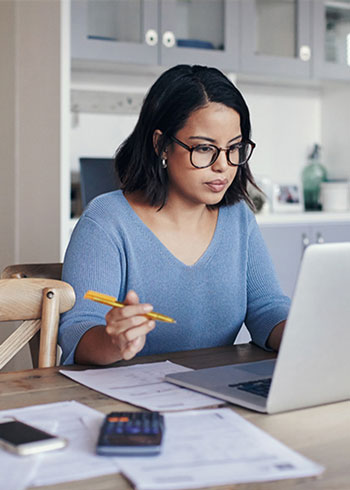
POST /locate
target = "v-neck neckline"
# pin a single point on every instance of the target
(201, 260)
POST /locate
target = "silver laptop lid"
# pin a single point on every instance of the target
(313, 364)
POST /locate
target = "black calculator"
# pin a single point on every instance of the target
(131, 433)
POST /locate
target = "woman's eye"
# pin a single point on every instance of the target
(236, 146)
(204, 149)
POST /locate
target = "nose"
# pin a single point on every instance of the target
(220, 163)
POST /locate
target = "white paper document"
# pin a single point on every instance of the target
(16, 473)
(77, 461)
(143, 385)
(214, 447)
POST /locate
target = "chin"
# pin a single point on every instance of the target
(215, 200)
(215, 197)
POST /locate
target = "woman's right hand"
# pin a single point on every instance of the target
(127, 327)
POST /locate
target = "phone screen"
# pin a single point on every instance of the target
(17, 433)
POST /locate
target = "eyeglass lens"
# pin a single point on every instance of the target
(205, 155)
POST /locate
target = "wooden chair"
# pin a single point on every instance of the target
(38, 303)
(20, 271)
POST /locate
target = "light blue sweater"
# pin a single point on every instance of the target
(112, 251)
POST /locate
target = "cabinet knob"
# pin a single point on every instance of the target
(305, 241)
(305, 53)
(151, 37)
(319, 238)
(169, 39)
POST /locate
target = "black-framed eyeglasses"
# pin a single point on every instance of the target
(205, 155)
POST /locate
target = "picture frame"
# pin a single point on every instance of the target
(287, 198)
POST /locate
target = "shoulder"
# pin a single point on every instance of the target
(235, 225)
(111, 207)
(108, 216)
(105, 203)
(239, 214)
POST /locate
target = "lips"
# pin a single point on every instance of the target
(217, 185)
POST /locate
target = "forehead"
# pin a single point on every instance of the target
(213, 118)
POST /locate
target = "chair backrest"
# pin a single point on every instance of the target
(97, 176)
(45, 271)
(38, 303)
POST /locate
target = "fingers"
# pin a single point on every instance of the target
(119, 320)
(131, 298)
(128, 326)
(132, 348)
(132, 309)
(129, 334)
(132, 340)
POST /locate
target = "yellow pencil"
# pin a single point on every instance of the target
(111, 301)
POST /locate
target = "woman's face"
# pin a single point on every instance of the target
(214, 124)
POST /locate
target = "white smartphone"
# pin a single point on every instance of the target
(23, 439)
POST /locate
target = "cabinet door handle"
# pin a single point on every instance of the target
(169, 39)
(305, 53)
(319, 238)
(151, 37)
(305, 241)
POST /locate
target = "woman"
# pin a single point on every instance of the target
(179, 237)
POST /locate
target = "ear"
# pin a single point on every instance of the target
(157, 135)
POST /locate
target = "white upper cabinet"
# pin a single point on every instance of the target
(200, 31)
(275, 38)
(293, 39)
(331, 30)
(120, 31)
(164, 32)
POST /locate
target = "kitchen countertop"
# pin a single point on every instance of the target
(303, 217)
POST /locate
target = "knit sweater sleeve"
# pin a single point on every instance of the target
(92, 261)
(266, 304)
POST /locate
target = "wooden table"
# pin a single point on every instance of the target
(320, 433)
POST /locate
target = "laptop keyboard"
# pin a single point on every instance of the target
(259, 387)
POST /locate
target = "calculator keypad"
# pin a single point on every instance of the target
(127, 433)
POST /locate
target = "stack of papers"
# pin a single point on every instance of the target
(204, 448)
(77, 461)
(212, 447)
(201, 448)
(14, 474)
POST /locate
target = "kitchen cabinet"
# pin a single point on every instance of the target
(297, 39)
(287, 242)
(164, 32)
(200, 31)
(276, 38)
(331, 35)
(123, 31)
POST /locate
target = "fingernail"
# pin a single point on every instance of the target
(152, 324)
(147, 308)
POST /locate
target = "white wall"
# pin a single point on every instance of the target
(7, 132)
(98, 135)
(336, 129)
(34, 106)
(286, 122)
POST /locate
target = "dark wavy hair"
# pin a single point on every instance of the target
(170, 101)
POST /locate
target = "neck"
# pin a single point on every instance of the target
(178, 213)
(182, 213)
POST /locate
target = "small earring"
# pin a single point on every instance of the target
(164, 163)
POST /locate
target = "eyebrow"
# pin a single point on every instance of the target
(212, 140)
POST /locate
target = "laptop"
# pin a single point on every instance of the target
(313, 364)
